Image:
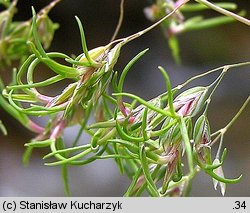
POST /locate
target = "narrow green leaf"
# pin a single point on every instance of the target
(39, 144)
(147, 173)
(145, 103)
(67, 151)
(169, 89)
(71, 159)
(175, 50)
(208, 23)
(128, 67)
(26, 155)
(44, 83)
(83, 41)
(131, 187)
(125, 136)
(221, 179)
(144, 125)
(35, 35)
(118, 160)
(64, 172)
(193, 7)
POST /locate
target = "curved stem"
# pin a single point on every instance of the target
(225, 12)
(225, 129)
(119, 24)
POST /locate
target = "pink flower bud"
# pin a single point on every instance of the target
(138, 112)
(190, 102)
(202, 139)
(201, 132)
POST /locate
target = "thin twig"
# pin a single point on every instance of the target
(119, 24)
(225, 12)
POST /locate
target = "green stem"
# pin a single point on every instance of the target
(138, 34)
(145, 103)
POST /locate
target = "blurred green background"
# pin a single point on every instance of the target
(200, 51)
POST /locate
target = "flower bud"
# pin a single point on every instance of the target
(112, 57)
(173, 135)
(46, 27)
(152, 12)
(201, 132)
(138, 111)
(190, 102)
(202, 139)
(95, 54)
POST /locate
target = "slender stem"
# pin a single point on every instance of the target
(220, 133)
(225, 129)
(220, 147)
(118, 27)
(237, 114)
(225, 12)
(216, 139)
(131, 187)
(138, 34)
(49, 7)
(227, 67)
(216, 82)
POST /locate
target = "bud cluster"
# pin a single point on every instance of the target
(159, 144)
(15, 34)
